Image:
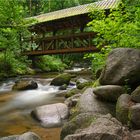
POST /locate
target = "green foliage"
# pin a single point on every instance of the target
(11, 65)
(50, 63)
(36, 7)
(12, 26)
(98, 59)
(119, 28)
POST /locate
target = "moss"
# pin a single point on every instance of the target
(96, 83)
(122, 114)
(72, 92)
(85, 84)
(79, 122)
(61, 79)
(129, 123)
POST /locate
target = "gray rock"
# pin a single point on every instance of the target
(61, 79)
(81, 80)
(136, 95)
(122, 67)
(135, 135)
(82, 120)
(102, 128)
(109, 92)
(51, 115)
(72, 101)
(134, 116)
(25, 85)
(122, 108)
(81, 83)
(13, 137)
(29, 136)
(25, 136)
(90, 103)
(72, 92)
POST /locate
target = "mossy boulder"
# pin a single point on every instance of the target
(72, 92)
(134, 116)
(80, 121)
(136, 95)
(109, 92)
(81, 83)
(103, 127)
(24, 85)
(122, 108)
(61, 79)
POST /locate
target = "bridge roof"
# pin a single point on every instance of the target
(49, 20)
(74, 11)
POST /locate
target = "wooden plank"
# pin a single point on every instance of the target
(63, 51)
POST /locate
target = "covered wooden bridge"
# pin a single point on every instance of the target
(47, 37)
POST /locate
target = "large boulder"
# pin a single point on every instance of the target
(134, 116)
(25, 136)
(122, 67)
(51, 115)
(102, 128)
(80, 121)
(122, 108)
(24, 85)
(109, 92)
(61, 79)
(88, 102)
(135, 95)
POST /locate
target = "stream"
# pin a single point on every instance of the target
(15, 107)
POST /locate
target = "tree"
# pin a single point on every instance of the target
(119, 28)
(11, 26)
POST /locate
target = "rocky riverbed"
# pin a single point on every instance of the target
(105, 109)
(17, 104)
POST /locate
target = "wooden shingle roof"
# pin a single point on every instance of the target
(74, 11)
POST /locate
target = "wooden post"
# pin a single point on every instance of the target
(43, 43)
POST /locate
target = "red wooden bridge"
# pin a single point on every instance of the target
(63, 31)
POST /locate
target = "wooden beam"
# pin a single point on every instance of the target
(63, 51)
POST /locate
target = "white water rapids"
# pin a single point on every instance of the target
(44, 94)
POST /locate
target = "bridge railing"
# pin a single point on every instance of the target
(62, 44)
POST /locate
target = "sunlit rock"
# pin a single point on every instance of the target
(51, 115)
(61, 79)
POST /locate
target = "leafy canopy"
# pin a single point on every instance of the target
(119, 28)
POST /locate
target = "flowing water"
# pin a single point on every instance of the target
(15, 108)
